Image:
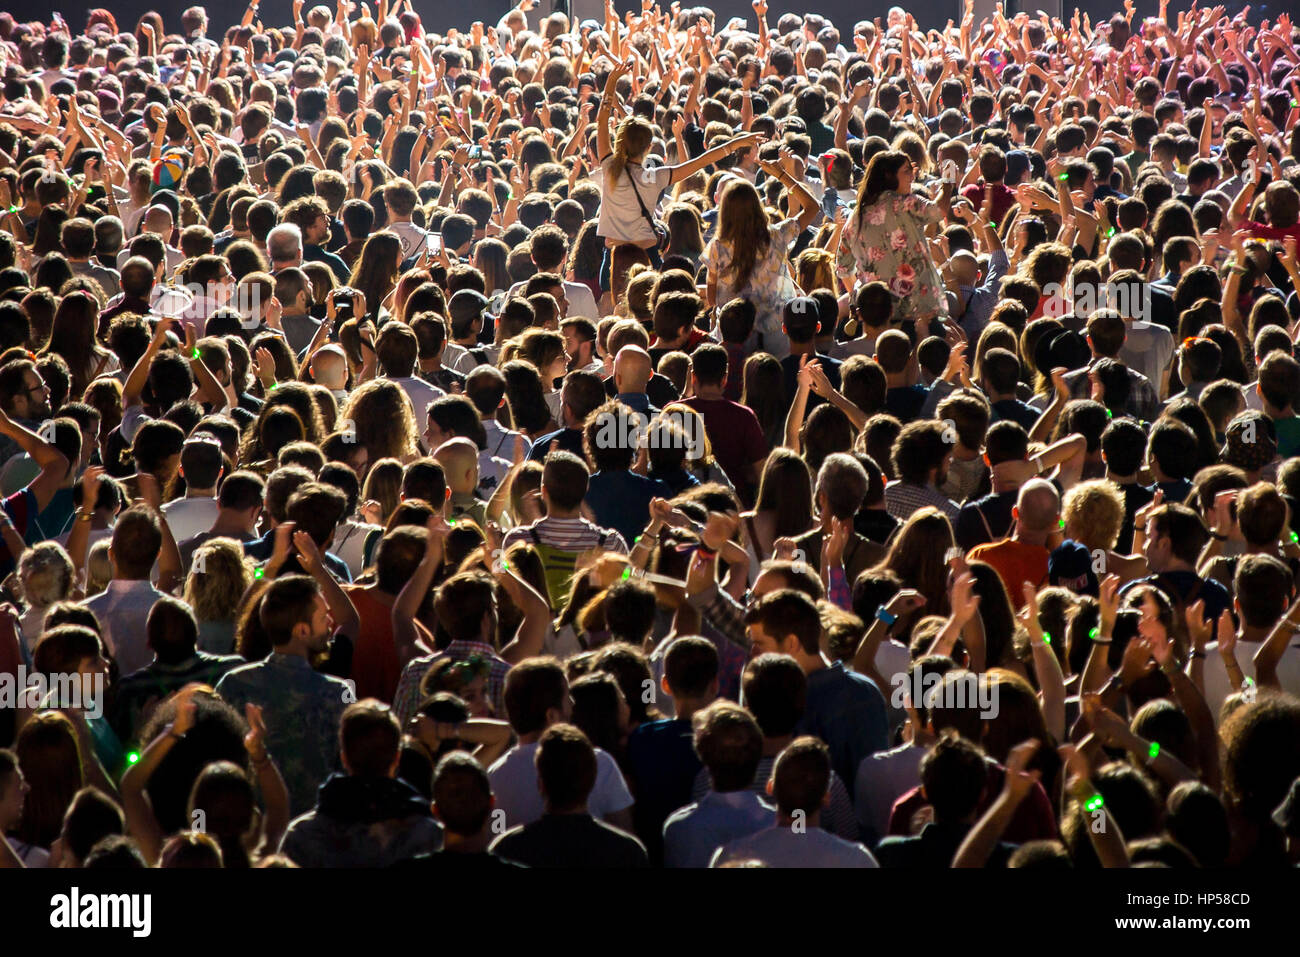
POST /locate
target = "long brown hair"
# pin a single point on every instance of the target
(785, 490)
(376, 269)
(633, 138)
(917, 556)
(50, 759)
(880, 178)
(743, 226)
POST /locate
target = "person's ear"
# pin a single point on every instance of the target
(1015, 513)
(663, 684)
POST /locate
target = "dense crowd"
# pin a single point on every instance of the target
(649, 441)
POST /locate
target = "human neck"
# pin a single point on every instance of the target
(201, 493)
(229, 521)
(466, 843)
(811, 819)
(1253, 633)
(803, 348)
(685, 708)
(1027, 536)
(1121, 479)
(703, 391)
(774, 746)
(575, 811)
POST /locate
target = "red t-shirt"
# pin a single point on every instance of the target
(735, 435)
(1265, 231)
(1003, 198)
(1015, 563)
(375, 666)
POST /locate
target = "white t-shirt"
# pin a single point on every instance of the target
(515, 785)
(1217, 685)
(1148, 348)
(350, 544)
(421, 395)
(620, 214)
(187, 517)
(783, 846)
(582, 304)
(414, 239)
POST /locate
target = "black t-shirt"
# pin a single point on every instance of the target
(875, 524)
(570, 841)
(453, 862)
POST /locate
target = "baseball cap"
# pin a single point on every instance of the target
(1070, 566)
(1064, 350)
(1017, 164)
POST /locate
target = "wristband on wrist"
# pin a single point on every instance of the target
(888, 617)
(706, 553)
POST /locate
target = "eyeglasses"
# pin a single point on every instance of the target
(40, 387)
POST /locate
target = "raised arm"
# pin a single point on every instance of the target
(1047, 669)
(531, 633)
(412, 594)
(980, 841)
(344, 613)
(683, 170)
(53, 464)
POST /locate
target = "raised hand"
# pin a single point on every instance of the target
(309, 555)
(965, 603)
(1020, 781)
(255, 740)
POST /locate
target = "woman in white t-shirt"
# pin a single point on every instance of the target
(627, 184)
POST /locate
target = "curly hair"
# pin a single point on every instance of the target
(220, 575)
(382, 417)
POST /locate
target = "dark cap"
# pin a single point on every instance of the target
(1070, 566)
(1064, 350)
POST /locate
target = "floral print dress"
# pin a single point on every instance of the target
(769, 288)
(887, 243)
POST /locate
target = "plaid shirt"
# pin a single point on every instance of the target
(407, 700)
(903, 498)
(724, 613)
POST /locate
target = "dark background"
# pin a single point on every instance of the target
(436, 15)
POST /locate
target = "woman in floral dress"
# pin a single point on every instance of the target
(748, 257)
(884, 238)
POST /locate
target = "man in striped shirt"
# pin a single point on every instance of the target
(564, 485)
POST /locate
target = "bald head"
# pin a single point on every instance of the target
(632, 369)
(329, 367)
(1038, 507)
(965, 266)
(158, 220)
(459, 460)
